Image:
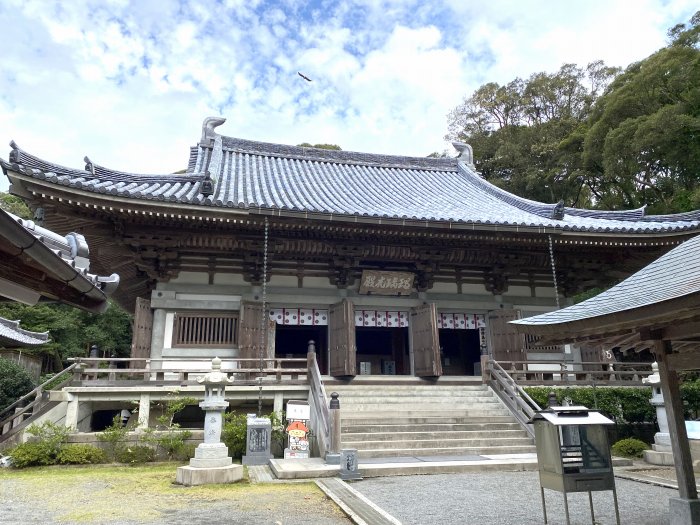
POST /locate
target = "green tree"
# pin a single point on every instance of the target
(320, 146)
(14, 382)
(528, 135)
(14, 205)
(643, 143)
(72, 331)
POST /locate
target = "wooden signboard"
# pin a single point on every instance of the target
(386, 283)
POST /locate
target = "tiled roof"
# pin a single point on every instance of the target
(61, 259)
(12, 334)
(225, 172)
(675, 275)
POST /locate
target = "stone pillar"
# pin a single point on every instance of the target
(72, 411)
(333, 455)
(349, 465)
(144, 411)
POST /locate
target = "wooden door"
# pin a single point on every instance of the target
(341, 333)
(425, 341)
(142, 332)
(250, 336)
(506, 343)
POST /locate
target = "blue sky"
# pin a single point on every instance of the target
(129, 83)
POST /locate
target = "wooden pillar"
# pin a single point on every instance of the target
(676, 423)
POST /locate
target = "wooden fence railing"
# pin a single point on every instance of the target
(564, 373)
(321, 418)
(119, 370)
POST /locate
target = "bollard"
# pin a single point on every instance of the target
(333, 455)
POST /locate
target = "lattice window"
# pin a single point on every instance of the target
(210, 330)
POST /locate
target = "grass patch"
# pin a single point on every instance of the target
(89, 494)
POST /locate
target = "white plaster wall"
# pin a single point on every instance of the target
(168, 330)
(519, 291)
(289, 281)
(444, 288)
(191, 278)
(230, 279)
(318, 282)
(474, 289)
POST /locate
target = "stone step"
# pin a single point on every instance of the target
(448, 451)
(408, 388)
(420, 412)
(429, 419)
(378, 400)
(493, 406)
(431, 435)
(430, 427)
(426, 444)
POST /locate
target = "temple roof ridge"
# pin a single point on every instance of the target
(11, 331)
(23, 158)
(311, 154)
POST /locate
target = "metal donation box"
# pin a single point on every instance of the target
(573, 453)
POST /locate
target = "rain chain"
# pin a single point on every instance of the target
(554, 271)
(264, 319)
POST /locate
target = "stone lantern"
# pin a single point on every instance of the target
(661, 453)
(211, 462)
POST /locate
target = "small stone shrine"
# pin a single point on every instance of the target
(211, 462)
(258, 441)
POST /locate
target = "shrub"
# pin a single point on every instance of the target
(15, 381)
(621, 404)
(81, 454)
(42, 448)
(235, 428)
(134, 454)
(629, 448)
(169, 438)
(233, 434)
(30, 455)
(114, 437)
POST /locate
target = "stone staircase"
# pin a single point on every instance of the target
(416, 419)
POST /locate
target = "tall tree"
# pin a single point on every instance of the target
(527, 135)
(643, 145)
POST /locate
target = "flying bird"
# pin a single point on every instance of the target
(304, 77)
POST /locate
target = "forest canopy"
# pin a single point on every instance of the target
(595, 136)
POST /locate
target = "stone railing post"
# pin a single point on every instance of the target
(333, 455)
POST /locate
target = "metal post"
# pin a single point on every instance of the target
(566, 509)
(590, 503)
(333, 455)
(544, 507)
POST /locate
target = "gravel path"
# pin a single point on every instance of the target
(508, 498)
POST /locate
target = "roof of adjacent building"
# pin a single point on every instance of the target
(661, 293)
(43, 263)
(11, 335)
(259, 177)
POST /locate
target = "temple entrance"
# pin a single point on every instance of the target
(293, 342)
(382, 350)
(460, 352)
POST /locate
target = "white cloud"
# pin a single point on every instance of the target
(129, 83)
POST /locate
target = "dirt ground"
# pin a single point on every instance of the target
(119, 495)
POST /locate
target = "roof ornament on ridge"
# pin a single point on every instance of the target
(558, 211)
(208, 126)
(466, 153)
(14, 154)
(89, 166)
